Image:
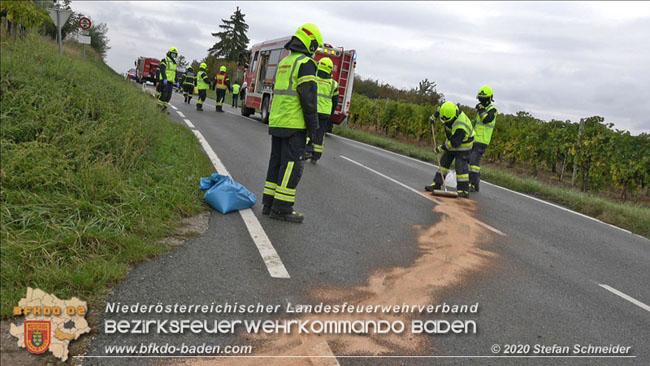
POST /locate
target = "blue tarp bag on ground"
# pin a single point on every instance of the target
(225, 195)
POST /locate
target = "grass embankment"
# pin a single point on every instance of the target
(93, 175)
(625, 215)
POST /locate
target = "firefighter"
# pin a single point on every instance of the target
(293, 117)
(189, 82)
(328, 98)
(222, 83)
(235, 95)
(486, 118)
(168, 76)
(202, 84)
(460, 139)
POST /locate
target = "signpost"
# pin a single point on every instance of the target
(59, 16)
(85, 24)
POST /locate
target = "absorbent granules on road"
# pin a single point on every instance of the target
(450, 252)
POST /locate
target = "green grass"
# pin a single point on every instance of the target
(629, 216)
(227, 100)
(92, 177)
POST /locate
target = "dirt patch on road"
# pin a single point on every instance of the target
(449, 251)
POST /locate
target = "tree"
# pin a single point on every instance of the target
(98, 38)
(233, 41)
(426, 87)
(181, 61)
(24, 14)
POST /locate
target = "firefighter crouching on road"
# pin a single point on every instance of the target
(168, 76)
(235, 94)
(202, 85)
(486, 118)
(328, 98)
(293, 116)
(189, 82)
(460, 139)
(222, 83)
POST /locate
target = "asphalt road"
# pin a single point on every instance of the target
(542, 275)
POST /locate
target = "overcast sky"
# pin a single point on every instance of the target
(556, 60)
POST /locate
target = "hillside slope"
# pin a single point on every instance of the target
(93, 175)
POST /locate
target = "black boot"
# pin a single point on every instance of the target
(463, 194)
(287, 216)
(266, 209)
(432, 187)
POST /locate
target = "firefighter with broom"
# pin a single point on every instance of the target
(460, 140)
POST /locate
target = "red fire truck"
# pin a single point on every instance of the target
(259, 78)
(146, 68)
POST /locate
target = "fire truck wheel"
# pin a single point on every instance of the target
(245, 111)
(265, 110)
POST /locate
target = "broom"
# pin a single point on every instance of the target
(444, 192)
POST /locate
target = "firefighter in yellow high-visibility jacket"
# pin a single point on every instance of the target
(486, 119)
(202, 85)
(460, 139)
(293, 117)
(168, 77)
(328, 98)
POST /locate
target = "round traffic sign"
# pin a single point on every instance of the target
(85, 23)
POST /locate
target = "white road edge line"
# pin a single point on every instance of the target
(189, 123)
(418, 192)
(180, 114)
(494, 185)
(626, 297)
(267, 251)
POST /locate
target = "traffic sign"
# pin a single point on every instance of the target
(83, 39)
(85, 23)
(63, 16)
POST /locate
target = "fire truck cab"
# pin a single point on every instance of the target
(146, 68)
(259, 77)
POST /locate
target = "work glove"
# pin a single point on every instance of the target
(480, 107)
(165, 82)
(440, 148)
(432, 120)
